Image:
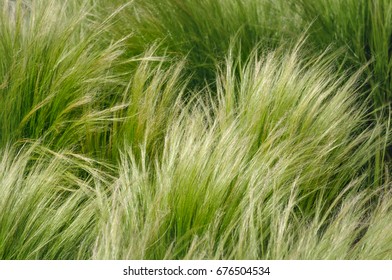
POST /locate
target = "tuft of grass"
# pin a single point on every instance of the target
(52, 71)
(48, 204)
(148, 104)
(283, 147)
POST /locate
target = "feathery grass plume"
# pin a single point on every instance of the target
(352, 231)
(47, 209)
(51, 69)
(137, 112)
(376, 243)
(202, 31)
(283, 100)
(150, 101)
(283, 147)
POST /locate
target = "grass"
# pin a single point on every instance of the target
(52, 71)
(195, 130)
(202, 32)
(364, 30)
(47, 212)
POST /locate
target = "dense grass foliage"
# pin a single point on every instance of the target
(201, 31)
(363, 29)
(47, 211)
(214, 129)
(227, 185)
(53, 73)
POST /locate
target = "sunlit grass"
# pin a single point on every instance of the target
(195, 130)
(282, 148)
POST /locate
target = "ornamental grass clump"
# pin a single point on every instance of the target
(241, 177)
(48, 203)
(52, 71)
